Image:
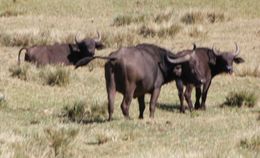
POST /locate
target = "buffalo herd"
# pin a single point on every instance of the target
(142, 69)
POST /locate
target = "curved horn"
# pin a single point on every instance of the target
(237, 50)
(179, 60)
(98, 39)
(194, 46)
(76, 41)
(214, 50)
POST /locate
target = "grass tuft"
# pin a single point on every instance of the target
(10, 13)
(163, 31)
(59, 139)
(170, 31)
(80, 112)
(198, 17)
(163, 17)
(249, 71)
(59, 76)
(197, 32)
(123, 20)
(102, 139)
(242, 98)
(3, 101)
(252, 143)
(20, 72)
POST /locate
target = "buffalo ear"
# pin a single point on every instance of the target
(238, 60)
(99, 45)
(212, 58)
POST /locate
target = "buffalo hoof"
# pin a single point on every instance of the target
(197, 106)
(182, 110)
(141, 117)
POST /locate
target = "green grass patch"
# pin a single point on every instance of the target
(242, 98)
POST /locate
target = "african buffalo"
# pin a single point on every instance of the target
(135, 71)
(209, 63)
(66, 54)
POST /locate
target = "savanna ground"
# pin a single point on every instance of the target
(69, 120)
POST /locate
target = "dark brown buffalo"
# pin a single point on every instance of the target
(66, 54)
(138, 70)
(209, 63)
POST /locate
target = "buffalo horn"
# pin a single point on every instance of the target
(215, 51)
(237, 50)
(76, 41)
(179, 60)
(98, 39)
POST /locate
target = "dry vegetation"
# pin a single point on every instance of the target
(57, 111)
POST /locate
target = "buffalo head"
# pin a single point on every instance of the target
(87, 46)
(225, 60)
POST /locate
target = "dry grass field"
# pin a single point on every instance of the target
(42, 116)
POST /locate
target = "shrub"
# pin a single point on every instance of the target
(252, 143)
(241, 98)
(20, 72)
(58, 76)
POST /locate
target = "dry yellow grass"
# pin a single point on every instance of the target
(30, 117)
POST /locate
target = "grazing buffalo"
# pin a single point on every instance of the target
(209, 63)
(66, 54)
(135, 71)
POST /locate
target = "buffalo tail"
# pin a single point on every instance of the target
(87, 60)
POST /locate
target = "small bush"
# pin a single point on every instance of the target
(20, 72)
(59, 76)
(59, 139)
(242, 98)
(252, 143)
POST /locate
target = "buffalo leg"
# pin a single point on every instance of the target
(127, 99)
(153, 101)
(111, 89)
(187, 95)
(179, 86)
(204, 94)
(198, 95)
(141, 106)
